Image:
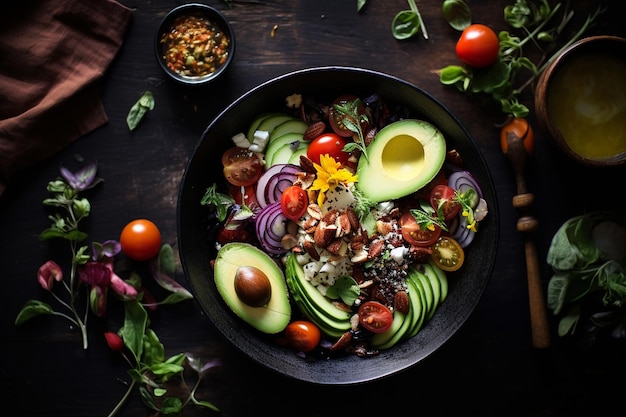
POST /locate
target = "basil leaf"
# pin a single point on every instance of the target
(405, 25)
(139, 109)
(457, 13)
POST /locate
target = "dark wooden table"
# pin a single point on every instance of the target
(488, 369)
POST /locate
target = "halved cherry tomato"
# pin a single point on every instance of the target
(244, 195)
(414, 234)
(328, 144)
(478, 46)
(302, 335)
(241, 166)
(294, 202)
(517, 128)
(442, 200)
(448, 254)
(375, 316)
(335, 119)
(140, 240)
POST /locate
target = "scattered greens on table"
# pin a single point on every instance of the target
(588, 288)
(534, 24)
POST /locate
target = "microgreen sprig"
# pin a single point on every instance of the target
(427, 220)
(352, 119)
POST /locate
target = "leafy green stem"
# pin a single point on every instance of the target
(588, 23)
(123, 399)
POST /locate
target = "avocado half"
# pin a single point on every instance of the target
(270, 318)
(403, 157)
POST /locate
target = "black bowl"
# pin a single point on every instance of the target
(220, 23)
(196, 251)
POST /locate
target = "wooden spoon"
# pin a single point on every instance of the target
(527, 224)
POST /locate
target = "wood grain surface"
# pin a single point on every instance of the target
(488, 369)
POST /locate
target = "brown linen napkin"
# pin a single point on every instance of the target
(52, 55)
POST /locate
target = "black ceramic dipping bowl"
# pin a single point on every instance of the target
(216, 22)
(466, 286)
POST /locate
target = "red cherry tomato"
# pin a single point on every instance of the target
(328, 144)
(414, 234)
(375, 317)
(442, 200)
(519, 128)
(302, 335)
(242, 167)
(244, 195)
(448, 254)
(335, 119)
(242, 234)
(294, 202)
(140, 240)
(478, 46)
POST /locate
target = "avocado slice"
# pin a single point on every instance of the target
(270, 318)
(317, 308)
(403, 157)
(290, 126)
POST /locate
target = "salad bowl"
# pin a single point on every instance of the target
(197, 249)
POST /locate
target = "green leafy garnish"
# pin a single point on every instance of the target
(139, 109)
(352, 119)
(457, 13)
(536, 20)
(221, 202)
(407, 23)
(346, 288)
(589, 263)
(428, 219)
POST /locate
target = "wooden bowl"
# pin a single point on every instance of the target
(580, 101)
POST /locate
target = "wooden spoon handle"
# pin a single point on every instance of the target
(540, 331)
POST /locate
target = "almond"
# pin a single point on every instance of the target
(401, 302)
(313, 131)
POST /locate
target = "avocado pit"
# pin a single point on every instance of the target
(252, 286)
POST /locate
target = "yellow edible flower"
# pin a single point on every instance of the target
(330, 174)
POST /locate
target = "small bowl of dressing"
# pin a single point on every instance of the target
(580, 101)
(194, 44)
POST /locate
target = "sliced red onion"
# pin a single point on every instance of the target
(461, 180)
(462, 234)
(270, 227)
(273, 182)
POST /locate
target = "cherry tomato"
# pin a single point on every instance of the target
(517, 128)
(335, 119)
(244, 195)
(375, 317)
(294, 202)
(414, 234)
(448, 254)
(242, 234)
(242, 167)
(302, 335)
(328, 144)
(442, 200)
(478, 46)
(140, 240)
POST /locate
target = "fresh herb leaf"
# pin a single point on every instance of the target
(457, 13)
(352, 119)
(139, 110)
(407, 23)
(221, 202)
